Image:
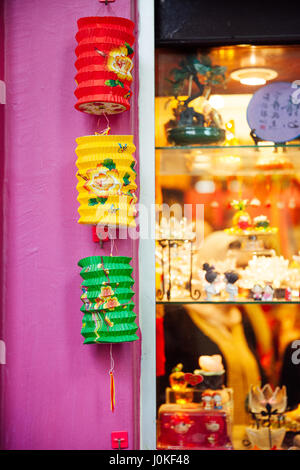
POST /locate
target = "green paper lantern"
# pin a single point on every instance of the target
(107, 300)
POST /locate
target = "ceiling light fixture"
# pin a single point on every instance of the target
(253, 76)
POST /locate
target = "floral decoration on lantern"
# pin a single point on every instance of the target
(107, 300)
(104, 64)
(106, 178)
(119, 62)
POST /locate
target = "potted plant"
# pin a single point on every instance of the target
(189, 126)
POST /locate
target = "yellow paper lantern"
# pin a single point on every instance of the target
(106, 180)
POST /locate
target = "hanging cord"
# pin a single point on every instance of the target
(104, 132)
(106, 3)
(113, 247)
(112, 242)
(107, 128)
(96, 248)
(112, 382)
(112, 362)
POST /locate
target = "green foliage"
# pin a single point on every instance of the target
(102, 200)
(109, 163)
(126, 179)
(129, 49)
(96, 200)
(201, 70)
(114, 83)
(93, 201)
(132, 166)
(110, 82)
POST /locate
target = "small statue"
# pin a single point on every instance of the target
(231, 278)
(241, 218)
(207, 400)
(257, 292)
(212, 371)
(211, 363)
(211, 277)
(217, 401)
(202, 75)
(268, 293)
(212, 117)
(288, 294)
(261, 222)
(212, 400)
(177, 380)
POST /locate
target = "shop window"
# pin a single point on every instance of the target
(227, 257)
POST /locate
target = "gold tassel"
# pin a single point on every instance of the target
(112, 392)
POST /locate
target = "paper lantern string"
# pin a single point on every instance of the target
(112, 242)
(107, 128)
(112, 382)
(106, 3)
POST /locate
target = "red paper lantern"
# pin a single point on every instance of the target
(104, 63)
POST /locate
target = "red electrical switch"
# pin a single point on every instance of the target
(119, 440)
(100, 234)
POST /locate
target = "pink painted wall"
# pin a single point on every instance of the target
(56, 390)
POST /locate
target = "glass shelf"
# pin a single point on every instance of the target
(239, 160)
(288, 147)
(224, 302)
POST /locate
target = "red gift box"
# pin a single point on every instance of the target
(190, 427)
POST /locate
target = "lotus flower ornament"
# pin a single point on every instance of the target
(265, 399)
(267, 407)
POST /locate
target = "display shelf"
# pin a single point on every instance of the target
(225, 302)
(220, 160)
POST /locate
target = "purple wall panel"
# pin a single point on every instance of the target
(56, 390)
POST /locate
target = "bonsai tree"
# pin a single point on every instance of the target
(204, 75)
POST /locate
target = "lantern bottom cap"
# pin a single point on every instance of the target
(106, 223)
(128, 339)
(98, 108)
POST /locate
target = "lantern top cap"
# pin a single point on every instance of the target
(91, 21)
(105, 138)
(90, 260)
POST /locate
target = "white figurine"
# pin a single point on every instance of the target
(257, 292)
(268, 293)
(217, 401)
(232, 289)
(211, 277)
